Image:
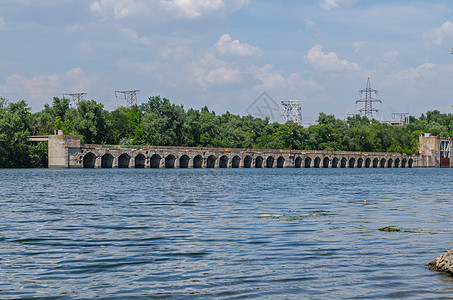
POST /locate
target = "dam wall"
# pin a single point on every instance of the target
(66, 151)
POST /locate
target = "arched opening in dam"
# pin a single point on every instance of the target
(123, 160)
(258, 162)
(410, 163)
(298, 162)
(335, 162)
(247, 162)
(235, 162)
(307, 162)
(170, 161)
(403, 163)
(280, 162)
(198, 162)
(390, 163)
(375, 163)
(223, 161)
(269, 162)
(343, 162)
(154, 161)
(89, 160)
(140, 161)
(184, 161)
(360, 163)
(211, 161)
(317, 162)
(107, 161)
(325, 162)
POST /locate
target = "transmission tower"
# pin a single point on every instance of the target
(368, 100)
(292, 110)
(404, 117)
(76, 97)
(129, 96)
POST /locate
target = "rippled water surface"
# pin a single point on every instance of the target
(204, 233)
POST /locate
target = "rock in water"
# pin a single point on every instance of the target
(443, 263)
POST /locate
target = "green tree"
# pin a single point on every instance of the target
(15, 126)
(91, 122)
(163, 122)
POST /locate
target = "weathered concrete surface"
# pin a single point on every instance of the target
(59, 146)
(430, 154)
(443, 263)
(429, 151)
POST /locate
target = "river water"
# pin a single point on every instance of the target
(224, 233)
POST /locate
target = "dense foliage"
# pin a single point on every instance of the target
(160, 122)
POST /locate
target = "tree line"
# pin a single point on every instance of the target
(160, 122)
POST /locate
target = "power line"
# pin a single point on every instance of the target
(76, 97)
(404, 118)
(292, 110)
(129, 96)
(368, 100)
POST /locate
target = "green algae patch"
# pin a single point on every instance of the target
(269, 216)
(294, 215)
(389, 229)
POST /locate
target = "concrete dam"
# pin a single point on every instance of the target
(66, 151)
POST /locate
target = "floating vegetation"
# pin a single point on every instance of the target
(389, 229)
(269, 216)
(293, 215)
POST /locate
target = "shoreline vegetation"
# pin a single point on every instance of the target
(159, 122)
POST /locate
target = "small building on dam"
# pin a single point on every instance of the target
(67, 151)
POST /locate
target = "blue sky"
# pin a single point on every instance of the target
(224, 54)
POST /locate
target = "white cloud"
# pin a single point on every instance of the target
(442, 34)
(179, 53)
(40, 89)
(191, 9)
(391, 55)
(219, 76)
(133, 35)
(142, 68)
(226, 46)
(173, 75)
(310, 24)
(118, 9)
(358, 45)
(86, 52)
(76, 80)
(194, 9)
(427, 86)
(411, 76)
(332, 4)
(235, 5)
(2, 23)
(329, 61)
(74, 28)
(388, 62)
(271, 79)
